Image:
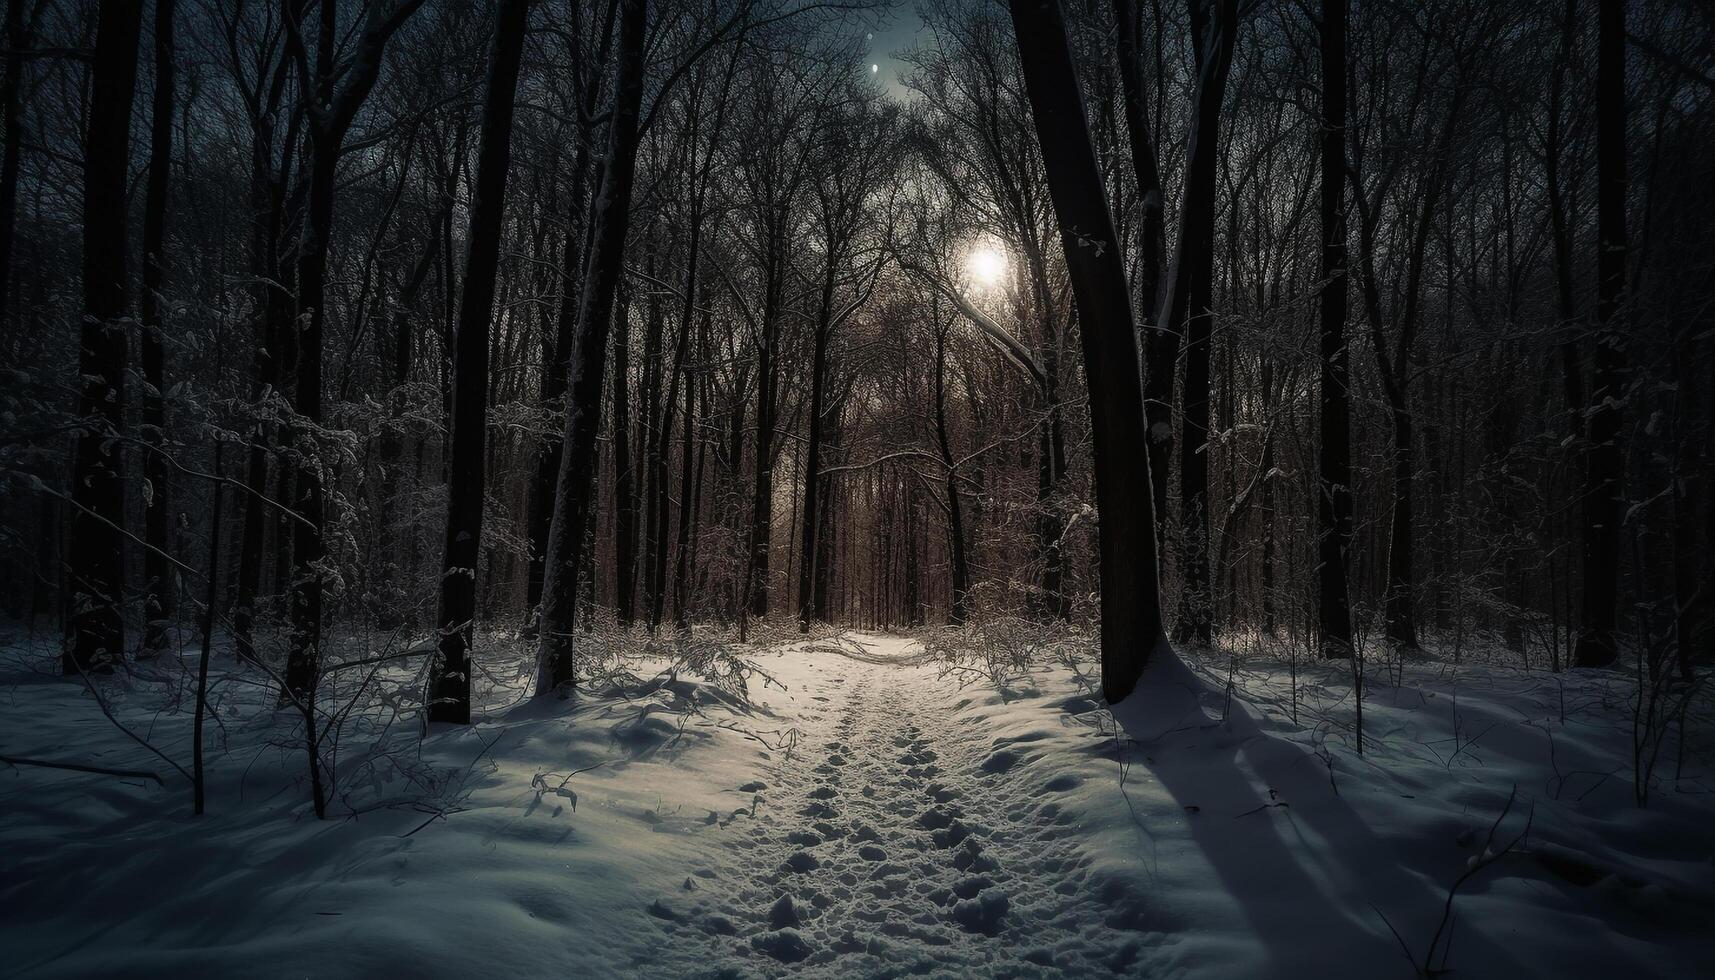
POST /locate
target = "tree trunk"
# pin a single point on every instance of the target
(1192, 291)
(625, 529)
(95, 553)
(812, 481)
(158, 592)
(690, 485)
(767, 398)
(662, 518)
(1572, 371)
(466, 471)
(335, 109)
(572, 257)
(1334, 460)
(1604, 471)
(11, 103)
(650, 466)
(305, 591)
(541, 505)
(611, 215)
(1160, 339)
(1130, 589)
(961, 583)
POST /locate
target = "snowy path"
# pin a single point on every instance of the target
(897, 839)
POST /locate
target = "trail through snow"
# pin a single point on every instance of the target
(899, 837)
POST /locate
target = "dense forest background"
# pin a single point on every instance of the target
(299, 299)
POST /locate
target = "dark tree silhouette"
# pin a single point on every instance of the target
(1334, 497)
(158, 594)
(466, 472)
(612, 217)
(95, 553)
(1604, 460)
(1190, 307)
(1130, 588)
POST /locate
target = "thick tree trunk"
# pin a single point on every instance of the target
(158, 591)
(572, 257)
(611, 215)
(466, 471)
(1334, 461)
(1604, 470)
(95, 552)
(1192, 277)
(1130, 589)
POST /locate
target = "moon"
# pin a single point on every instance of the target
(874, 69)
(986, 265)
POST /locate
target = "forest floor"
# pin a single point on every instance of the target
(869, 808)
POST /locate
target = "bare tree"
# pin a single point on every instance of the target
(1131, 605)
(97, 532)
(611, 216)
(1604, 460)
(466, 470)
(1334, 494)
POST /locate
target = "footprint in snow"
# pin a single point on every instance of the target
(786, 945)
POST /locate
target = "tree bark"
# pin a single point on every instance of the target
(1334, 462)
(1604, 471)
(466, 471)
(158, 592)
(1131, 628)
(333, 112)
(611, 214)
(1191, 289)
(95, 553)
(625, 527)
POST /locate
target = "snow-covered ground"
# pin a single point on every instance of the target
(870, 810)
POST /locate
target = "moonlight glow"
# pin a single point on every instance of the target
(986, 265)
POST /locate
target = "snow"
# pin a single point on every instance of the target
(871, 811)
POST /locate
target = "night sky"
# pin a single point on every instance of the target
(895, 31)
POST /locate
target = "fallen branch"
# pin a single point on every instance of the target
(13, 760)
